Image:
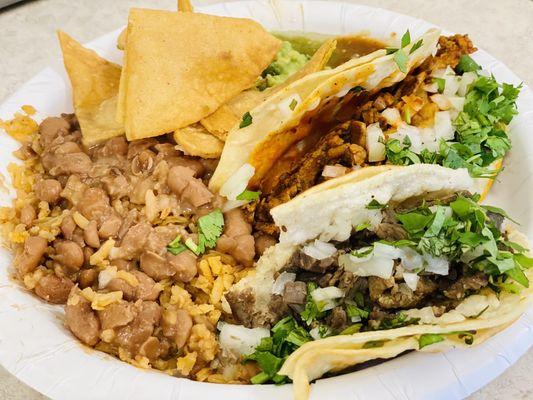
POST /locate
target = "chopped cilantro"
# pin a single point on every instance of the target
(354, 311)
(401, 60)
(428, 339)
(176, 247)
(375, 205)
(311, 310)
(397, 322)
(351, 329)
(467, 64)
(406, 39)
(246, 120)
(210, 228)
(249, 195)
(416, 46)
(293, 104)
(441, 84)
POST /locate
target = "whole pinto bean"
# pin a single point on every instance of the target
(31, 255)
(27, 214)
(184, 265)
(54, 289)
(90, 235)
(48, 190)
(69, 254)
(177, 325)
(155, 266)
(81, 319)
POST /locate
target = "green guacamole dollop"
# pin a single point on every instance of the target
(286, 63)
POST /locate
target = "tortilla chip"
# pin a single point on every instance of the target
(185, 6)
(226, 117)
(95, 84)
(196, 141)
(181, 66)
(121, 40)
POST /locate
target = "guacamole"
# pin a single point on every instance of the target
(287, 62)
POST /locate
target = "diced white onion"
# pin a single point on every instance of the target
(281, 281)
(437, 265)
(319, 250)
(410, 259)
(355, 318)
(314, 104)
(374, 142)
(384, 250)
(392, 115)
(239, 340)
(441, 101)
(373, 266)
(451, 86)
(466, 80)
(412, 132)
(314, 333)
(457, 102)
(411, 280)
(429, 139)
(432, 87)
(333, 171)
(327, 293)
(231, 204)
(237, 183)
(443, 126)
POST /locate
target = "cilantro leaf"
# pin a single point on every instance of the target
(176, 247)
(375, 205)
(441, 84)
(249, 195)
(373, 344)
(467, 64)
(414, 222)
(246, 120)
(210, 228)
(406, 39)
(427, 339)
(401, 60)
(416, 46)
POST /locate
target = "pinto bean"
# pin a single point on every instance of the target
(117, 145)
(54, 289)
(81, 319)
(235, 224)
(68, 148)
(197, 166)
(94, 203)
(110, 226)
(27, 214)
(178, 178)
(156, 266)
(90, 235)
(177, 325)
(128, 291)
(184, 265)
(116, 314)
(48, 190)
(146, 290)
(150, 348)
(69, 254)
(132, 336)
(182, 182)
(237, 239)
(31, 255)
(50, 128)
(67, 164)
(87, 277)
(263, 242)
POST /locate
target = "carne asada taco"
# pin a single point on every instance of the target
(380, 261)
(443, 110)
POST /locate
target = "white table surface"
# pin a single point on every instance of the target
(27, 44)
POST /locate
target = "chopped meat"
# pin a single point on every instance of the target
(390, 232)
(308, 263)
(390, 295)
(460, 288)
(343, 145)
(295, 292)
(337, 319)
(450, 50)
(67, 164)
(183, 265)
(242, 307)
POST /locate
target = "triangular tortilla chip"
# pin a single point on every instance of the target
(185, 6)
(181, 66)
(226, 117)
(95, 84)
(196, 141)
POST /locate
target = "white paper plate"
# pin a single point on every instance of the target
(37, 348)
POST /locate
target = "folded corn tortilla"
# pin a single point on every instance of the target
(272, 130)
(334, 204)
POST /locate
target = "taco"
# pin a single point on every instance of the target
(425, 101)
(383, 260)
